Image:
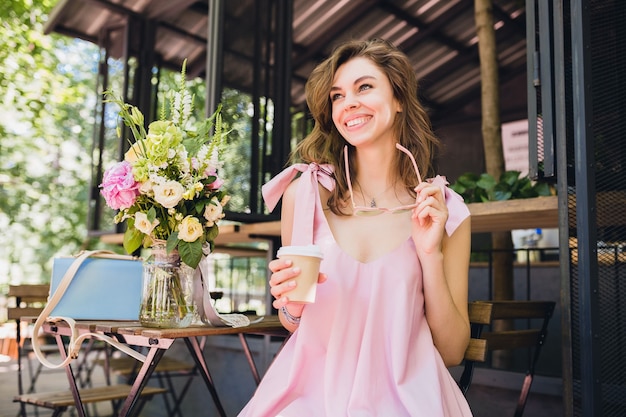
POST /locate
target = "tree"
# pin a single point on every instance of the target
(492, 140)
(46, 85)
(501, 242)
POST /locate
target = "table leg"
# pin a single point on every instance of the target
(70, 377)
(152, 359)
(248, 353)
(198, 356)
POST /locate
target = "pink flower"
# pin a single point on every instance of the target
(119, 187)
(215, 185)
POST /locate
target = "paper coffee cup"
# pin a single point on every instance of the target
(308, 259)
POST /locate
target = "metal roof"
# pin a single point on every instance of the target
(438, 35)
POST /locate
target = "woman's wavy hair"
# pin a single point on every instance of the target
(324, 145)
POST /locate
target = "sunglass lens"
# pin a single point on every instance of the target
(368, 213)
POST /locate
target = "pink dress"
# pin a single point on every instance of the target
(364, 347)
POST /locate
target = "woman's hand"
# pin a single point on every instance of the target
(429, 218)
(283, 280)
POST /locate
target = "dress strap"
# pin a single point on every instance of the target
(457, 209)
(307, 196)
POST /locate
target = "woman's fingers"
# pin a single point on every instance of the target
(276, 265)
(429, 193)
(280, 293)
(282, 279)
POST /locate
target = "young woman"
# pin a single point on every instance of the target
(391, 307)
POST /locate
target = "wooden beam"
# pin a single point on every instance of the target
(492, 216)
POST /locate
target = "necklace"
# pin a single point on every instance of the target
(373, 199)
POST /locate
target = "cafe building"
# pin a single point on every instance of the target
(562, 109)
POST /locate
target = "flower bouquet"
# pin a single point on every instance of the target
(168, 192)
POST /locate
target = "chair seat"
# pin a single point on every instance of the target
(126, 365)
(63, 399)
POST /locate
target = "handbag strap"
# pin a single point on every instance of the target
(76, 340)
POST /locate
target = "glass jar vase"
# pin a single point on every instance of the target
(167, 298)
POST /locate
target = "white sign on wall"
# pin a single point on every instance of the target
(515, 146)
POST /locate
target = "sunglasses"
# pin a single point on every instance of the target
(374, 211)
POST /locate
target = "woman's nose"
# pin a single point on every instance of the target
(351, 102)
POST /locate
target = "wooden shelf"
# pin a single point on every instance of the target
(493, 216)
(528, 213)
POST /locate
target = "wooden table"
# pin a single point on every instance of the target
(158, 341)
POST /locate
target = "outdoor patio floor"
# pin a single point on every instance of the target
(485, 401)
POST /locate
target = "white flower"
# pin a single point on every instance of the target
(143, 224)
(203, 152)
(215, 160)
(213, 211)
(168, 194)
(190, 229)
(146, 187)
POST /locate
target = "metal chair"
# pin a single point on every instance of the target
(29, 301)
(483, 313)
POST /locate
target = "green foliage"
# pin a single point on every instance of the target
(476, 188)
(47, 99)
(237, 157)
(47, 102)
(191, 251)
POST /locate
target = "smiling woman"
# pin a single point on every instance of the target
(353, 351)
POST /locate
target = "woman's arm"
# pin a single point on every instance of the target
(282, 272)
(445, 294)
(445, 268)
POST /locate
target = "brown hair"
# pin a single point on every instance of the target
(324, 145)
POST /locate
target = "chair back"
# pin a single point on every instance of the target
(484, 313)
(29, 300)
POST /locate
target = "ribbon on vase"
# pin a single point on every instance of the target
(202, 298)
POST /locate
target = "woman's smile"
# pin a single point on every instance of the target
(358, 121)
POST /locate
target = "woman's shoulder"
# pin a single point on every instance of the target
(293, 190)
(295, 177)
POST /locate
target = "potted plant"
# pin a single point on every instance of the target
(479, 188)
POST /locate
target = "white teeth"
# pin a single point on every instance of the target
(355, 122)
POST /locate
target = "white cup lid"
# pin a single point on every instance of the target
(308, 250)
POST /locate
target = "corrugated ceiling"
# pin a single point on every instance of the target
(438, 35)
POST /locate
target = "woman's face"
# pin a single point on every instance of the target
(363, 105)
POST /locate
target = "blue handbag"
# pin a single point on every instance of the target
(96, 285)
(104, 287)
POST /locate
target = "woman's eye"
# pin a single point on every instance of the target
(335, 96)
(364, 87)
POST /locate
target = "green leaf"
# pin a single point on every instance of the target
(200, 205)
(132, 239)
(486, 182)
(151, 214)
(172, 241)
(502, 195)
(510, 177)
(469, 179)
(190, 252)
(458, 188)
(212, 233)
(542, 189)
